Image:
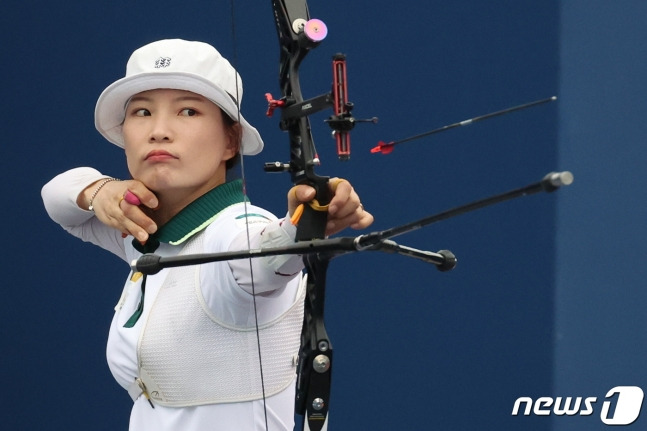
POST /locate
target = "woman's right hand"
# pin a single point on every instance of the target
(113, 210)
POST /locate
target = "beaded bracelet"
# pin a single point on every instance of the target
(103, 183)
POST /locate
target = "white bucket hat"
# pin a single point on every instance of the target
(180, 65)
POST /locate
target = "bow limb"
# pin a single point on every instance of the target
(298, 34)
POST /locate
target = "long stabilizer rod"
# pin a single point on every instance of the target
(549, 183)
(376, 241)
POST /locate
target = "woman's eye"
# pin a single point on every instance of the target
(142, 112)
(188, 112)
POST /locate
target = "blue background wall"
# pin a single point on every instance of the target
(547, 298)
(600, 300)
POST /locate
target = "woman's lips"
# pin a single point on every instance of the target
(159, 155)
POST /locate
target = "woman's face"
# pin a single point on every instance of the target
(176, 143)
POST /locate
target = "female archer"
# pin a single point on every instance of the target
(185, 342)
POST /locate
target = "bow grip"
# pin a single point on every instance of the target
(312, 224)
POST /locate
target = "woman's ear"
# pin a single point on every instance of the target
(235, 136)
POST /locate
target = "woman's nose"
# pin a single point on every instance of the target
(160, 131)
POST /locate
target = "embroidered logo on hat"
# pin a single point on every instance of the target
(162, 62)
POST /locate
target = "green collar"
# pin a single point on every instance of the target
(195, 217)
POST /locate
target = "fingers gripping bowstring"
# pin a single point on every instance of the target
(245, 203)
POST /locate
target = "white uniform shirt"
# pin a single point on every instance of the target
(274, 282)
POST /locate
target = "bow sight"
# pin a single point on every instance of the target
(307, 35)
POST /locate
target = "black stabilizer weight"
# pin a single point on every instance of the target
(148, 264)
(449, 263)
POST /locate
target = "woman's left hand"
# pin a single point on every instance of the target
(344, 210)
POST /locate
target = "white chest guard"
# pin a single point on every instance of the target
(187, 357)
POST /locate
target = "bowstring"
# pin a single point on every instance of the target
(245, 204)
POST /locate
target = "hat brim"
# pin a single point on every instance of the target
(110, 109)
